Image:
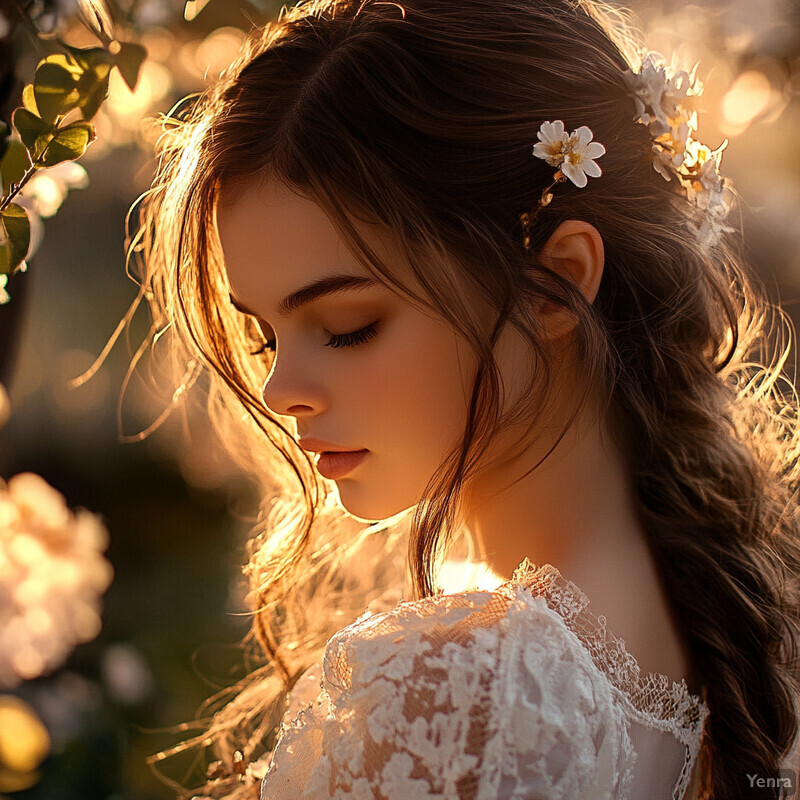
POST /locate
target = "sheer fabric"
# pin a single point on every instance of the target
(518, 693)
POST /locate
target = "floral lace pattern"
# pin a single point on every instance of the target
(513, 693)
(651, 699)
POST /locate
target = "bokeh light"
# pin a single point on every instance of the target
(205, 60)
(24, 743)
(749, 96)
(128, 107)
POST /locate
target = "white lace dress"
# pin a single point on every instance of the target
(518, 693)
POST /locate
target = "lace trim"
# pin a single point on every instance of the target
(653, 699)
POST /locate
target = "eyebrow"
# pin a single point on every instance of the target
(323, 287)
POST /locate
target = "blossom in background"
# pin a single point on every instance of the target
(42, 196)
(52, 573)
(5, 405)
(153, 12)
(55, 15)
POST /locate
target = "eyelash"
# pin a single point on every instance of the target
(360, 336)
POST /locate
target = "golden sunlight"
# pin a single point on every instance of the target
(749, 97)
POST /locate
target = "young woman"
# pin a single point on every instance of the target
(462, 268)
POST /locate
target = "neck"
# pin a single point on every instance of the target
(575, 511)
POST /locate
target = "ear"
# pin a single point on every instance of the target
(575, 251)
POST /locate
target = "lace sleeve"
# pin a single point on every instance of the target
(470, 696)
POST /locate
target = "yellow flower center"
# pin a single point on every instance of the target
(575, 158)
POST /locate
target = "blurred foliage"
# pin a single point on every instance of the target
(146, 668)
(54, 125)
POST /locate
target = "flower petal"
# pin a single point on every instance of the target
(550, 153)
(583, 135)
(575, 174)
(591, 168)
(551, 132)
(662, 170)
(593, 150)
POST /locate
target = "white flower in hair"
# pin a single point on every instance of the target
(552, 143)
(573, 156)
(708, 189)
(573, 153)
(666, 102)
(709, 176)
(664, 163)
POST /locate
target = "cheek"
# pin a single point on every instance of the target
(419, 385)
(410, 404)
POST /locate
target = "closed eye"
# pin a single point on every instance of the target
(352, 339)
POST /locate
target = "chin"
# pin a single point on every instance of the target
(369, 506)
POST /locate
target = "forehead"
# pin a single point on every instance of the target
(275, 240)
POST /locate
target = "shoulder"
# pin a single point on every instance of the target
(487, 688)
(475, 630)
(505, 648)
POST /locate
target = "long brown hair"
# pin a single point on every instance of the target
(419, 117)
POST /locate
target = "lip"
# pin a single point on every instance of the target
(321, 446)
(336, 465)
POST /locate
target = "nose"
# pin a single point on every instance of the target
(290, 391)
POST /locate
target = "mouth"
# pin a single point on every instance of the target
(336, 465)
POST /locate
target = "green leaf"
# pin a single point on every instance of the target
(68, 143)
(88, 57)
(15, 237)
(129, 57)
(14, 164)
(29, 99)
(93, 96)
(95, 64)
(34, 132)
(55, 90)
(66, 61)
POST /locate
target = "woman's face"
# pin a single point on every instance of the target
(361, 368)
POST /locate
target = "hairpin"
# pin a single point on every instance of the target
(666, 103)
(574, 156)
